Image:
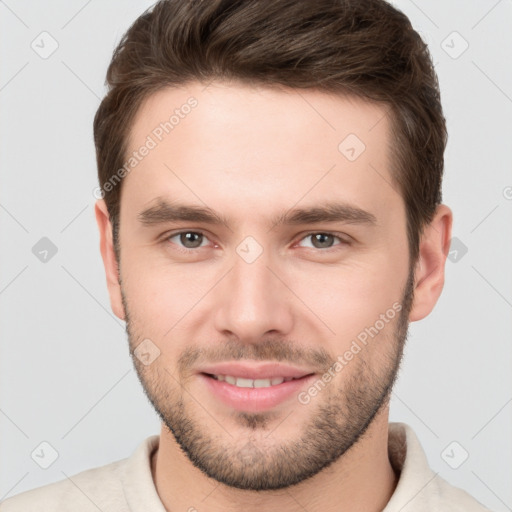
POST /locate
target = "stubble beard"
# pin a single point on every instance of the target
(255, 460)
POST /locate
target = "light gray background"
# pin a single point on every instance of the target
(65, 374)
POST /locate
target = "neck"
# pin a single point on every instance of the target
(362, 479)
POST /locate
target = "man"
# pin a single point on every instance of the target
(270, 222)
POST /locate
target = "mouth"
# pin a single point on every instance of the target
(242, 382)
(251, 388)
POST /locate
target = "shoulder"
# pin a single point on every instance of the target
(419, 488)
(443, 496)
(92, 490)
(454, 499)
(120, 486)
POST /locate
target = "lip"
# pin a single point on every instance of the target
(254, 399)
(256, 371)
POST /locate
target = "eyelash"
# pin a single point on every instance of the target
(188, 251)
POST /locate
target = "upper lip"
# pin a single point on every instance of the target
(255, 371)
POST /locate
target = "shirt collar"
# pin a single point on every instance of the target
(419, 489)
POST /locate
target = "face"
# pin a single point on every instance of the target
(262, 238)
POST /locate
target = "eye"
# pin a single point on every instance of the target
(187, 240)
(321, 240)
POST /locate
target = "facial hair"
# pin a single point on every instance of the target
(340, 415)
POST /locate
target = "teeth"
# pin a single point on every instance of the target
(230, 380)
(251, 383)
(264, 383)
(244, 383)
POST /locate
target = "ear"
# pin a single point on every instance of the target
(109, 258)
(429, 270)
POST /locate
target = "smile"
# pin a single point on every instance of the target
(242, 382)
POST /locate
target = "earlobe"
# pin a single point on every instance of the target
(429, 270)
(109, 258)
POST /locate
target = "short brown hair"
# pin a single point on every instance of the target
(366, 48)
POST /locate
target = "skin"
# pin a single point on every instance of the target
(244, 150)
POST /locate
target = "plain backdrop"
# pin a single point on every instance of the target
(66, 378)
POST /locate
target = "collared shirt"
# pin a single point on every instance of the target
(127, 485)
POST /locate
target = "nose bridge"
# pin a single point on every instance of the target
(252, 300)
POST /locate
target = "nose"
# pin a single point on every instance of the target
(253, 301)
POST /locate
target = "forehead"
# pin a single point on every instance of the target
(240, 145)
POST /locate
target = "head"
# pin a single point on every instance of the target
(286, 208)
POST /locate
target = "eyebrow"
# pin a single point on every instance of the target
(164, 212)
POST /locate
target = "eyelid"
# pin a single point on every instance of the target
(172, 234)
(340, 236)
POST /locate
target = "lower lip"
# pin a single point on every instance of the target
(254, 399)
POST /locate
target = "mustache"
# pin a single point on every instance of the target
(270, 349)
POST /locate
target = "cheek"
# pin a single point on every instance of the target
(347, 299)
(147, 292)
(164, 298)
(161, 296)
